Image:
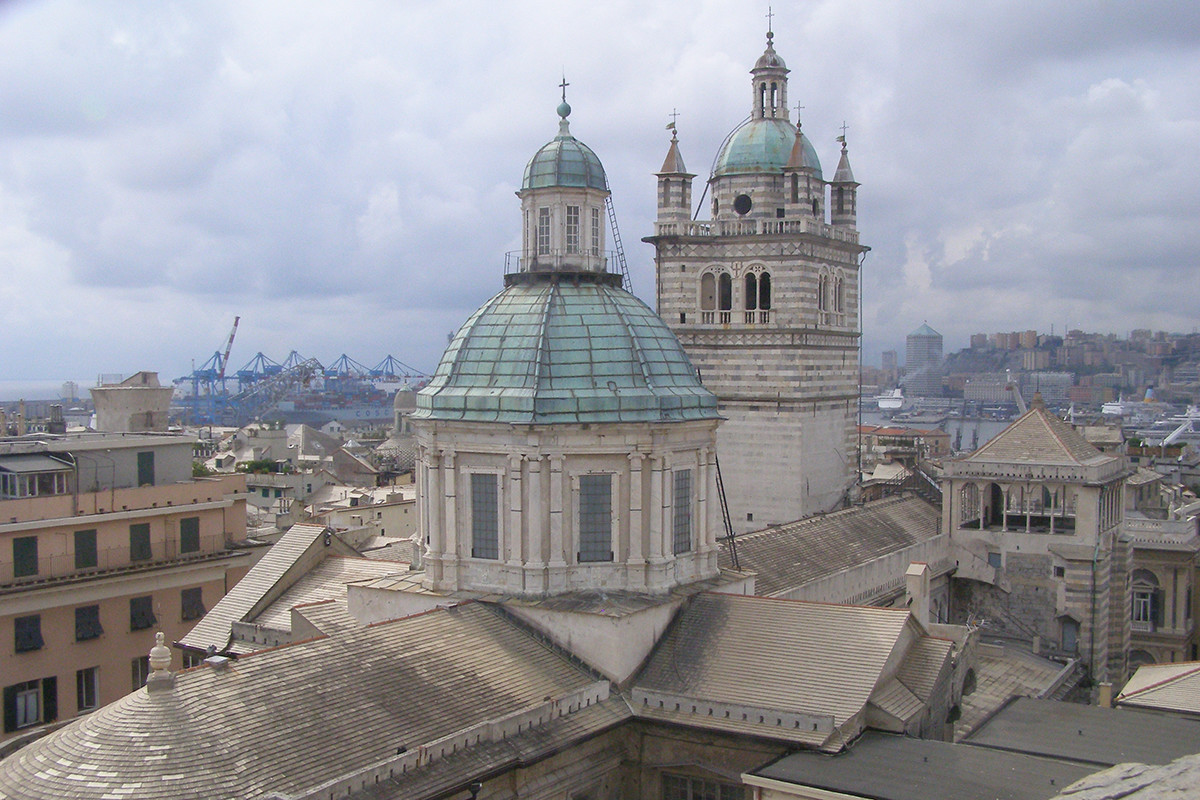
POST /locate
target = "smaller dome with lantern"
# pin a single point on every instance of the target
(564, 161)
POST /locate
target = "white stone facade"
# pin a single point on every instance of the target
(538, 475)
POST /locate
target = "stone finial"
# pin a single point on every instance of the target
(160, 664)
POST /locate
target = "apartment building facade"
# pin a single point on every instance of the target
(105, 539)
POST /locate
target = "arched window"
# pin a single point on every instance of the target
(724, 292)
(822, 292)
(762, 98)
(795, 188)
(841, 200)
(816, 208)
(774, 98)
(666, 201)
(839, 299)
(751, 291)
(708, 292)
(764, 291)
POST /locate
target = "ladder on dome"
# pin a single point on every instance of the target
(622, 269)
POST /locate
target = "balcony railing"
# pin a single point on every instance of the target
(62, 566)
(757, 227)
(523, 261)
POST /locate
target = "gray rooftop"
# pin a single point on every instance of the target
(891, 767)
(1104, 736)
(797, 553)
(291, 718)
(815, 659)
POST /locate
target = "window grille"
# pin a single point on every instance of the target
(595, 518)
(681, 512)
(485, 516)
(572, 229)
(543, 232)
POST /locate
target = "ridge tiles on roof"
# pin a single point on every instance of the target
(1037, 436)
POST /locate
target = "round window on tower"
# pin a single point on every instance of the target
(741, 204)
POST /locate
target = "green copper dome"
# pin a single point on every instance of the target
(762, 145)
(567, 347)
(564, 161)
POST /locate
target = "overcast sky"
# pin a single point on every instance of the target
(341, 175)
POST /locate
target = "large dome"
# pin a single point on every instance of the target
(565, 347)
(564, 161)
(762, 145)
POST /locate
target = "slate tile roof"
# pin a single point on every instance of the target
(287, 719)
(1171, 687)
(1039, 437)
(818, 659)
(326, 581)
(797, 553)
(214, 629)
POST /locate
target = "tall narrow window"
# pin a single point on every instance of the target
(189, 535)
(485, 516)
(725, 292)
(841, 200)
(139, 541)
(595, 518)
(839, 299)
(795, 188)
(596, 231)
(140, 671)
(85, 549)
(543, 232)
(681, 512)
(764, 291)
(751, 291)
(666, 198)
(145, 468)
(87, 688)
(822, 293)
(572, 229)
(708, 292)
(25, 556)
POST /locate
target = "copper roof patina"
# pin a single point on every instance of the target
(565, 347)
(762, 145)
(564, 161)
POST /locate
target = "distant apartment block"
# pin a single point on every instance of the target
(105, 538)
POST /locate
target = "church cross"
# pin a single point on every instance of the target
(564, 86)
(770, 20)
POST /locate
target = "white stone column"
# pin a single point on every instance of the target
(636, 523)
(431, 469)
(557, 555)
(512, 533)
(449, 486)
(535, 529)
(654, 508)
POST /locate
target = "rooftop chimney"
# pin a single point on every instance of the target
(916, 581)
